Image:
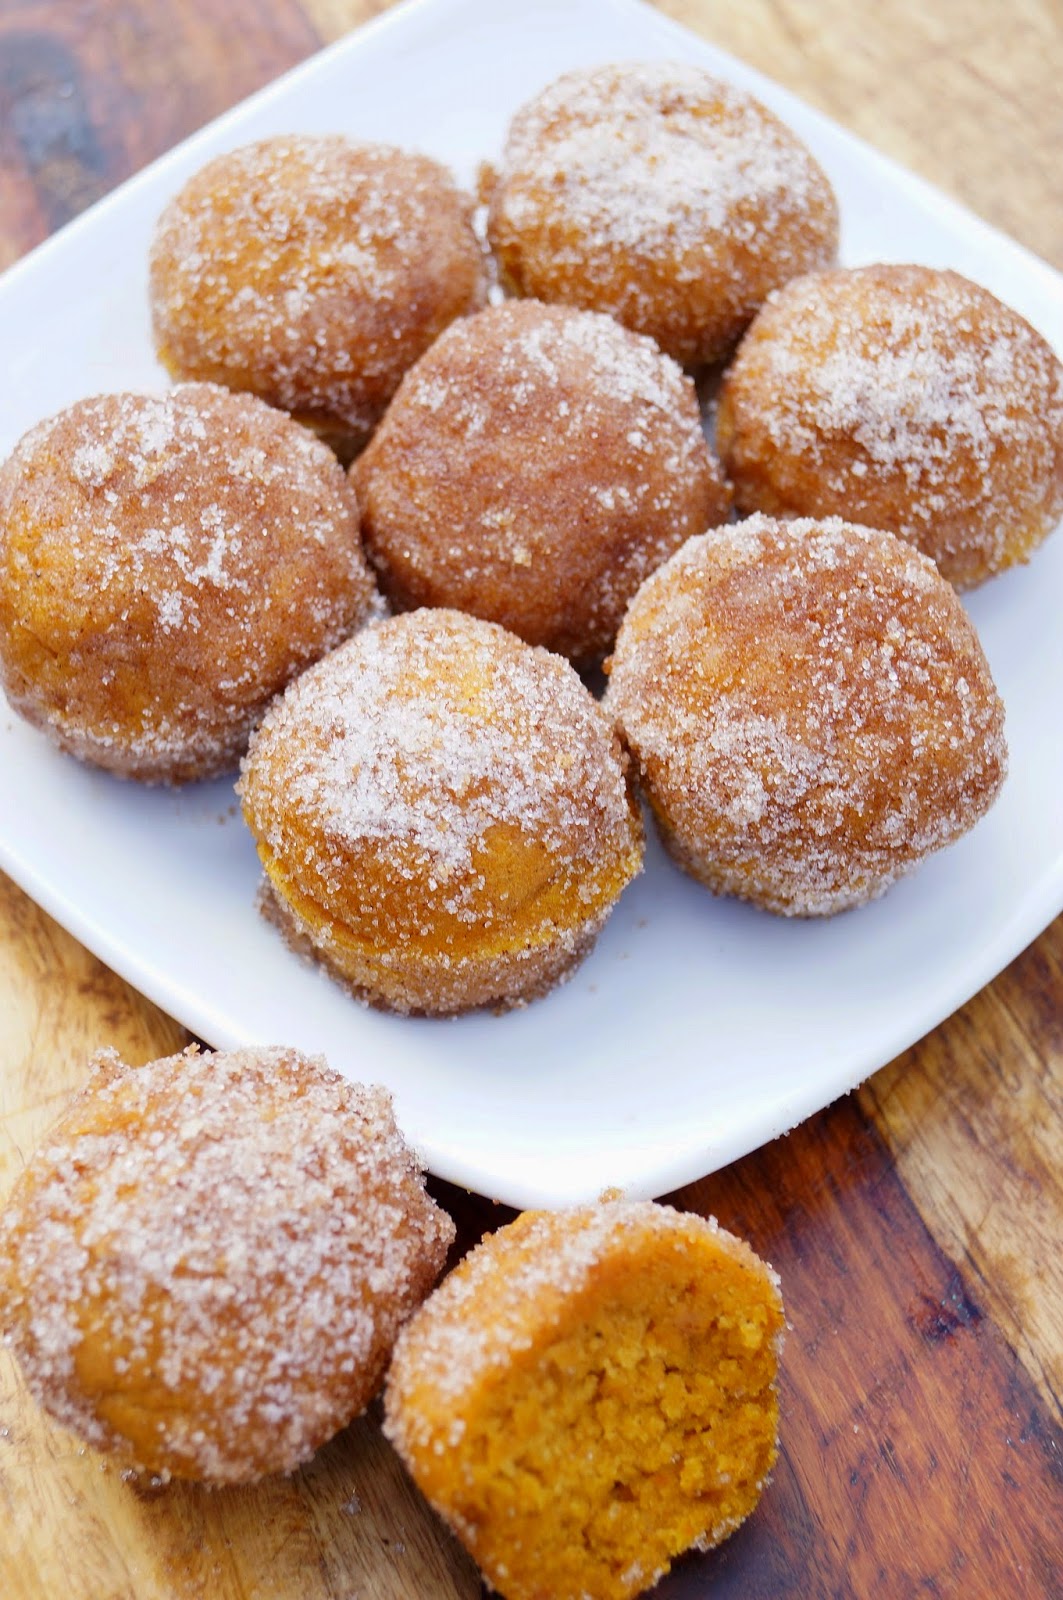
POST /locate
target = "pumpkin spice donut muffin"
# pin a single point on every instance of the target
(661, 195)
(534, 466)
(590, 1393)
(442, 813)
(810, 710)
(167, 564)
(204, 1267)
(313, 271)
(905, 398)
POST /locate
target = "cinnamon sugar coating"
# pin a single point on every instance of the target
(313, 271)
(443, 812)
(810, 710)
(204, 1267)
(535, 465)
(167, 564)
(589, 1393)
(905, 398)
(657, 193)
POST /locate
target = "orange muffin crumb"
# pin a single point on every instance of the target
(590, 1393)
(204, 1266)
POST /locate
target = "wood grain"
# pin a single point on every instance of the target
(917, 1456)
(916, 1224)
(90, 93)
(973, 1117)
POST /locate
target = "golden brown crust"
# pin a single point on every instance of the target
(515, 978)
(204, 1267)
(661, 195)
(535, 465)
(445, 813)
(810, 710)
(589, 1393)
(167, 564)
(313, 271)
(904, 398)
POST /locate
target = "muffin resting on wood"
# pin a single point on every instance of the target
(590, 1393)
(204, 1267)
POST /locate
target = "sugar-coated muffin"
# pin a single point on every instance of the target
(656, 192)
(204, 1267)
(313, 271)
(590, 1393)
(442, 813)
(167, 564)
(534, 467)
(905, 398)
(810, 710)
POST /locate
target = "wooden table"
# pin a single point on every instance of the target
(917, 1224)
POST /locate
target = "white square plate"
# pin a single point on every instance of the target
(699, 1028)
